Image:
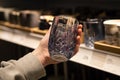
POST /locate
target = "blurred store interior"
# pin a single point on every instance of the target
(44, 10)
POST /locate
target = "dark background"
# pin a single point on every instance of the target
(40, 4)
(86, 8)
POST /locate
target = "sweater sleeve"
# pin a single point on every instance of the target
(26, 68)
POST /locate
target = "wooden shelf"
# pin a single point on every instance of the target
(24, 28)
(101, 45)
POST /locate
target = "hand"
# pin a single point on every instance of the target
(42, 52)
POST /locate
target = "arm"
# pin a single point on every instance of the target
(26, 68)
(31, 66)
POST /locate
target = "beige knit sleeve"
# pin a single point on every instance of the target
(26, 68)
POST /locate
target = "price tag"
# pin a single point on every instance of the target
(98, 59)
(112, 64)
(83, 56)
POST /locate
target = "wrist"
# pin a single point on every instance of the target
(42, 56)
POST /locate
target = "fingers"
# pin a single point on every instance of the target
(78, 38)
(76, 49)
(79, 34)
(77, 44)
(80, 30)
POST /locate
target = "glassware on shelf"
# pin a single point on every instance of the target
(93, 31)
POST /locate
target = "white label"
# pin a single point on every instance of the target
(112, 64)
(83, 56)
(98, 59)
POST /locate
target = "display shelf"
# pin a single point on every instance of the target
(27, 39)
(23, 28)
(102, 60)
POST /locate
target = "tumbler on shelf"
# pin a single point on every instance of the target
(93, 31)
(62, 41)
(29, 18)
(14, 17)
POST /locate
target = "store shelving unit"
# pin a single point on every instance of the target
(102, 60)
